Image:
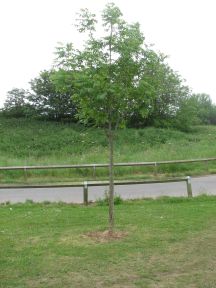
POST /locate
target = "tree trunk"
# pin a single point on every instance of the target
(111, 180)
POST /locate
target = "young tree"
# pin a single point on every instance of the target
(108, 76)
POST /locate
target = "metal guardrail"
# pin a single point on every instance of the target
(104, 165)
(87, 184)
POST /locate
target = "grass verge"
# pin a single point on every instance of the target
(29, 142)
(169, 242)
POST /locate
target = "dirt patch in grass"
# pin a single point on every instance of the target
(106, 236)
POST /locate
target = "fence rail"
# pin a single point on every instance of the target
(87, 184)
(104, 165)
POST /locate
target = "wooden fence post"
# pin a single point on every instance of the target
(85, 193)
(189, 187)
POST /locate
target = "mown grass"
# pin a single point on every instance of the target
(31, 142)
(170, 242)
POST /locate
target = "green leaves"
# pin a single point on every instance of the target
(51, 95)
(117, 74)
(85, 21)
(111, 15)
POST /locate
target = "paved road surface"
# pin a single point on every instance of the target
(200, 185)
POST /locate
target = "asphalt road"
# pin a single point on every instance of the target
(200, 185)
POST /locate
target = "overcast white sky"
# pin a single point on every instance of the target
(182, 29)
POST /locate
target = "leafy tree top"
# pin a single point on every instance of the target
(108, 71)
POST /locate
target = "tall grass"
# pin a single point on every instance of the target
(31, 142)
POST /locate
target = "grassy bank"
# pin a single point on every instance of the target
(30, 142)
(167, 243)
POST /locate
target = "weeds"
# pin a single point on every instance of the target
(105, 200)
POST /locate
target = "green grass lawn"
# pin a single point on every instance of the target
(170, 242)
(30, 142)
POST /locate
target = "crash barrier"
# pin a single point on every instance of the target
(87, 184)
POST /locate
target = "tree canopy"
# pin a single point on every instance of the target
(116, 61)
(108, 72)
(47, 101)
(16, 104)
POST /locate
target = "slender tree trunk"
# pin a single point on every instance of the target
(111, 180)
(110, 139)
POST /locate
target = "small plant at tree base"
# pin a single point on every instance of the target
(29, 201)
(105, 200)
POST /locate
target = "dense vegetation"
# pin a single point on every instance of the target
(166, 243)
(119, 68)
(44, 104)
(32, 142)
